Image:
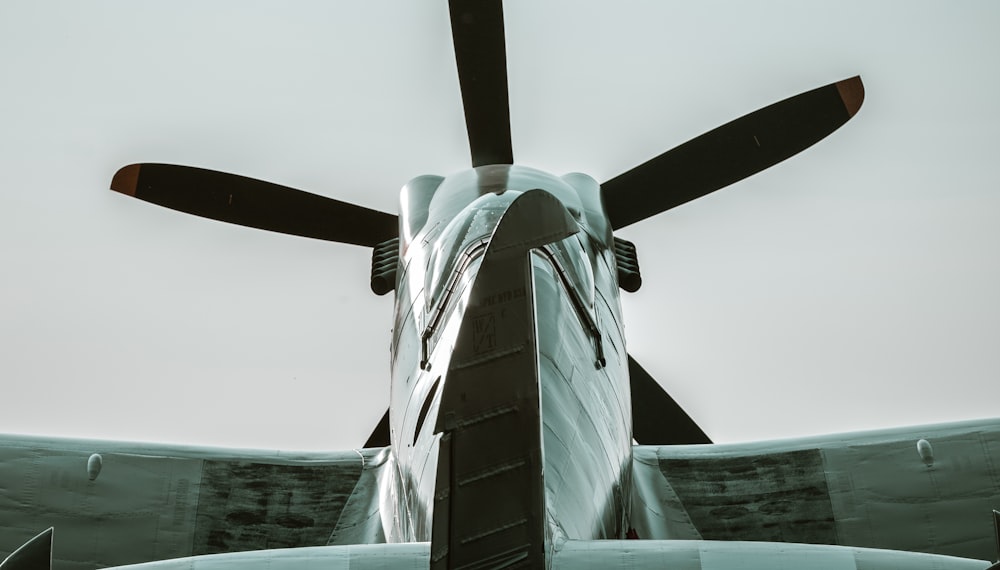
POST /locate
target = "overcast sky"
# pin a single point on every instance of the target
(852, 287)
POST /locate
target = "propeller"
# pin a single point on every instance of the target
(698, 167)
(477, 32)
(657, 419)
(731, 152)
(254, 203)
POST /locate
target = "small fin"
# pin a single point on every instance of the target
(996, 532)
(33, 555)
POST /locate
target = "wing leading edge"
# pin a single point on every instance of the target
(155, 502)
(858, 490)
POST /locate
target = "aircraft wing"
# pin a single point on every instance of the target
(115, 503)
(589, 554)
(928, 489)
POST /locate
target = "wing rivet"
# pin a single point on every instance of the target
(926, 452)
(94, 466)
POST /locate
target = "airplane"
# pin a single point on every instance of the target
(506, 282)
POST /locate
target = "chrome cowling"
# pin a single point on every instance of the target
(445, 228)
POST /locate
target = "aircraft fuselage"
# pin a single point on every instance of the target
(578, 359)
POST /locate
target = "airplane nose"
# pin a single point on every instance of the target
(535, 218)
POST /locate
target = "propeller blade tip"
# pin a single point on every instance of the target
(852, 93)
(126, 179)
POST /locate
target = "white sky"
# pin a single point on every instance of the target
(852, 287)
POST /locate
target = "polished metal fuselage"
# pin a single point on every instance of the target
(445, 228)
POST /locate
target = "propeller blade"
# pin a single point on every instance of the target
(477, 32)
(254, 203)
(657, 419)
(731, 152)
